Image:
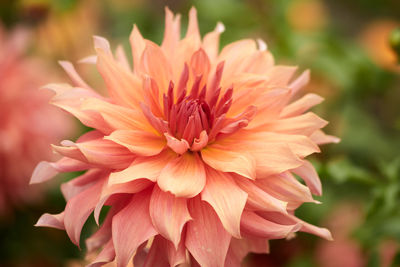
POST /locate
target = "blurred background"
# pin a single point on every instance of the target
(350, 48)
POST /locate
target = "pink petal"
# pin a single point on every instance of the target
(290, 219)
(226, 160)
(79, 208)
(206, 238)
(178, 146)
(51, 220)
(131, 227)
(43, 172)
(226, 198)
(119, 191)
(259, 198)
(163, 253)
(310, 176)
(256, 226)
(300, 82)
(106, 255)
(79, 184)
(184, 176)
(143, 167)
(73, 74)
(286, 188)
(169, 214)
(193, 27)
(320, 138)
(138, 142)
(280, 75)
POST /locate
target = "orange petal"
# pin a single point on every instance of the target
(169, 214)
(227, 199)
(143, 167)
(193, 27)
(131, 227)
(124, 87)
(118, 117)
(301, 105)
(138, 44)
(211, 41)
(305, 124)
(206, 238)
(154, 63)
(226, 160)
(184, 176)
(73, 74)
(172, 33)
(178, 146)
(138, 142)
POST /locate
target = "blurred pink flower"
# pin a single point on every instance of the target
(28, 124)
(194, 151)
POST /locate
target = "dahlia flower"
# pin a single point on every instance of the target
(194, 151)
(25, 135)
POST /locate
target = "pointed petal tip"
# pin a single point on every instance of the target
(44, 171)
(220, 27)
(262, 46)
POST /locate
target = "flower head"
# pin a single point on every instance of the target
(28, 125)
(194, 150)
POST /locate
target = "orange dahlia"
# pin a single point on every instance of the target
(28, 125)
(194, 150)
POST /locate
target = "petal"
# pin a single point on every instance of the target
(310, 176)
(131, 227)
(80, 183)
(154, 63)
(138, 44)
(211, 41)
(206, 238)
(305, 124)
(300, 82)
(178, 146)
(184, 176)
(169, 214)
(51, 220)
(320, 138)
(193, 27)
(301, 105)
(73, 74)
(106, 255)
(172, 33)
(286, 188)
(79, 208)
(226, 198)
(239, 248)
(105, 153)
(290, 219)
(163, 253)
(44, 171)
(226, 160)
(280, 75)
(143, 167)
(117, 117)
(122, 85)
(258, 198)
(118, 192)
(139, 142)
(256, 226)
